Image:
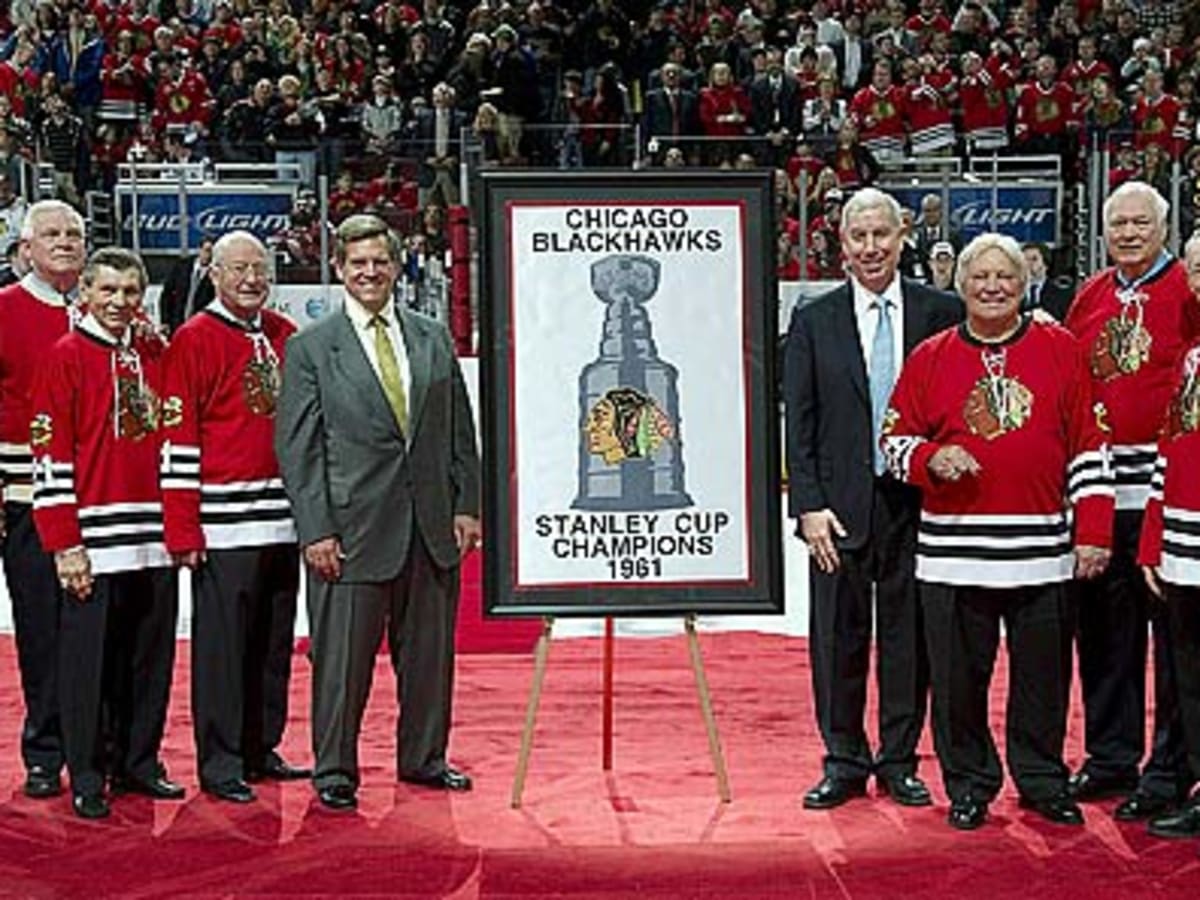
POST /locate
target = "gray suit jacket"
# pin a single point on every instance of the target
(347, 468)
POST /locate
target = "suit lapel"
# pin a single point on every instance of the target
(351, 360)
(845, 334)
(420, 365)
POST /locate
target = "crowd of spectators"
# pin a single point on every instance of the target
(376, 94)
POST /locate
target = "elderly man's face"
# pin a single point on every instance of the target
(992, 291)
(1133, 233)
(871, 243)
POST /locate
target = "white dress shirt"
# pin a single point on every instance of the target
(360, 318)
(868, 320)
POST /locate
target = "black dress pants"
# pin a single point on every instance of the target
(879, 575)
(33, 587)
(243, 621)
(962, 626)
(117, 649)
(1115, 611)
(1183, 609)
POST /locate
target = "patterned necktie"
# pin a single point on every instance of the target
(882, 376)
(389, 373)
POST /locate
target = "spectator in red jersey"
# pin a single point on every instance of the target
(724, 114)
(1087, 67)
(1046, 114)
(983, 93)
(926, 113)
(853, 164)
(878, 114)
(1156, 117)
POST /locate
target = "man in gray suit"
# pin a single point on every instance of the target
(377, 449)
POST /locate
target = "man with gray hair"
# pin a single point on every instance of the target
(375, 439)
(1134, 319)
(844, 352)
(34, 313)
(227, 519)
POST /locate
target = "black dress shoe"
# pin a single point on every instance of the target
(967, 814)
(1085, 787)
(1182, 823)
(234, 790)
(276, 769)
(338, 797)
(1140, 805)
(831, 792)
(446, 780)
(90, 806)
(907, 790)
(41, 783)
(158, 788)
(1061, 809)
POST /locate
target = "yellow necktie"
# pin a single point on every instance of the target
(389, 373)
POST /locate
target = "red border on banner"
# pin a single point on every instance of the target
(514, 514)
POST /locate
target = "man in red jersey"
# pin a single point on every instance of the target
(34, 313)
(94, 434)
(1134, 321)
(228, 520)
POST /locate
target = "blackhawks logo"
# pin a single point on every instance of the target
(172, 412)
(41, 430)
(1046, 109)
(626, 424)
(1121, 348)
(260, 386)
(996, 406)
(138, 409)
(1183, 415)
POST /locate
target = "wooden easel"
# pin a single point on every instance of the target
(541, 656)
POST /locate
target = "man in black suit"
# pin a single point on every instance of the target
(855, 56)
(843, 354)
(775, 110)
(1043, 291)
(671, 113)
(188, 288)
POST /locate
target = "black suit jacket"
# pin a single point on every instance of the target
(764, 102)
(173, 301)
(828, 402)
(656, 116)
(1055, 298)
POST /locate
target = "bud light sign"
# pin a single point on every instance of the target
(1025, 212)
(261, 212)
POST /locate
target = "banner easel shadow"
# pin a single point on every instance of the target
(540, 660)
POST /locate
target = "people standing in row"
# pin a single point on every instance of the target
(994, 422)
(377, 447)
(843, 354)
(227, 519)
(34, 313)
(95, 439)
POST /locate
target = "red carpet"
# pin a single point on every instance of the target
(652, 829)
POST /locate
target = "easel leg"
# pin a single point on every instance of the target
(710, 722)
(541, 654)
(606, 742)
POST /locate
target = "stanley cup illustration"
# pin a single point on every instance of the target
(630, 449)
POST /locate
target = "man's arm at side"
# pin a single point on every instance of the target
(800, 405)
(300, 444)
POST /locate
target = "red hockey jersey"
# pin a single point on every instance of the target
(1134, 338)
(927, 116)
(95, 441)
(1171, 530)
(880, 120)
(1045, 111)
(985, 109)
(33, 316)
(1024, 410)
(220, 478)
(1159, 122)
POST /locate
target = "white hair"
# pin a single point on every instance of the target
(1192, 245)
(44, 208)
(1141, 189)
(869, 198)
(981, 244)
(225, 241)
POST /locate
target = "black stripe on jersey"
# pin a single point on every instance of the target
(1184, 551)
(1171, 523)
(1122, 476)
(995, 529)
(140, 539)
(247, 496)
(248, 517)
(13, 456)
(108, 519)
(975, 551)
(1094, 481)
(41, 492)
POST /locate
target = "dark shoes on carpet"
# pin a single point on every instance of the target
(338, 797)
(41, 783)
(1086, 787)
(1181, 823)
(232, 791)
(448, 779)
(907, 790)
(90, 806)
(157, 788)
(831, 792)
(1060, 809)
(1140, 805)
(967, 813)
(276, 769)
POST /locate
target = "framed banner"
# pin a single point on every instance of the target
(630, 428)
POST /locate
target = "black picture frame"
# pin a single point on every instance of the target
(758, 588)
